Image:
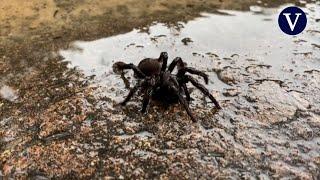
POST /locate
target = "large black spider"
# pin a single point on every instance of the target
(158, 82)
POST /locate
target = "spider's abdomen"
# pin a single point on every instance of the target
(150, 67)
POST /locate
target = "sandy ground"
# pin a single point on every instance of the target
(52, 126)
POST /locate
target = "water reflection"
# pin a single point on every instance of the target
(212, 39)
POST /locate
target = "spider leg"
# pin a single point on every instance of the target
(203, 90)
(119, 66)
(131, 93)
(125, 80)
(164, 58)
(146, 100)
(191, 70)
(174, 63)
(182, 69)
(182, 100)
(186, 92)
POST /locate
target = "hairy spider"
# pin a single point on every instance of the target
(157, 81)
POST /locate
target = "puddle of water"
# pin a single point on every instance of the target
(237, 36)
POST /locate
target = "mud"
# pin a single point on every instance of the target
(59, 116)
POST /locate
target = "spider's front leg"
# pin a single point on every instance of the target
(182, 69)
(131, 93)
(146, 99)
(149, 85)
(120, 66)
(203, 89)
(125, 81)
(177, 61)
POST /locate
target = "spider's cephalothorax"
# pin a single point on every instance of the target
(157, 80)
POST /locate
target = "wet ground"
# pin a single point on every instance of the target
(59, 95)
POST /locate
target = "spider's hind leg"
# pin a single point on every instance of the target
(173, 85)
(203, 89)
(191, 70)
(186, 92)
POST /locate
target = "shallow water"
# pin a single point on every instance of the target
(266, 81)
(234, 36)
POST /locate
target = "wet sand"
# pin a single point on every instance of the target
(58, 112)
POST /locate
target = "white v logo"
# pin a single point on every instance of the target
(292, 25)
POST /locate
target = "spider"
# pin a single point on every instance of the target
(158, 82)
